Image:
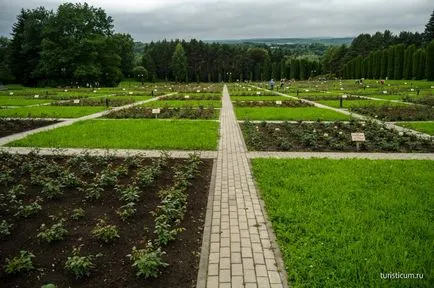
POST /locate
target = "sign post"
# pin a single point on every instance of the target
(358, 138)
(156, 112)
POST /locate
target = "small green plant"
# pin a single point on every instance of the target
(107, 178)
(21, 263)
(126, 211)
(129, 194)
(17, 190)
(48, 286)
(165, 233)
(105, 232)
(93, 191)
(30, 209)
(78, 265)
(6, 176)
(69, 179)
(122, 171)
(52, 189)
(147, 261)
(4, 229)
(55, 233)
(77, 213)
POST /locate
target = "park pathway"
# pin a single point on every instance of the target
(242, 249)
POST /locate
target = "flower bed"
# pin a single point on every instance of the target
(404, 113)
(335, 136)
(9, 127)
(176, 113)
(101, 221)
(267, 103)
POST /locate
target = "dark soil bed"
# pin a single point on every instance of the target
(166, 113)
(268, 103)
(325, 137)
(9, 127)
(113, 268)
(397, 113)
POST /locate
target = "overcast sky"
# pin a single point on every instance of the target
(148, 20)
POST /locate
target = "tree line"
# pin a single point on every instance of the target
(213, 62)
(405, 56)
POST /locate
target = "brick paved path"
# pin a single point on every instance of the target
(242, 249)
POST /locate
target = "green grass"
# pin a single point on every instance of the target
(129, 134)
(340, 223)
(424, 127)
(20, 101)
(301, 113)
(51, 111)
(358, 103)
(184, 103)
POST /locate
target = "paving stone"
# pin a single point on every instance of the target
(238, 230)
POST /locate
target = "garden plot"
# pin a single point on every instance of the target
(163, 102)
(340, 223)
(398, 113)
(194, 96)
(141, 112)
(51, 111)
(113, 101)
(267, 103)
(129, 134)
(351, 103)
(282, 113)
(12, 126)
(101, 221)
(326, 137)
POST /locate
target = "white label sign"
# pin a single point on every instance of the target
(258, 93)
(358, 137)
(36, 96)
(76, 101)
(186, 97)
(156, 111)
(131, 93)
(279, 102)
(197, 91)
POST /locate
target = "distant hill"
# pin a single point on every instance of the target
(287, 41)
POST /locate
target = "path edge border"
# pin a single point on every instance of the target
(275, 246)
(206, 238)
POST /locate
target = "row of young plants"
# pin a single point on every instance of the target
(321, 136)
(100, 101)
(426, 100)
(148, 261)
(52, 179)
(270, 103)
(20, 200)
(397, 113)
(12, 126)
(165, 113)
(201, 96)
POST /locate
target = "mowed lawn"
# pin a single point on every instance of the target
(51, 111)
(424, 127)
(283, 113)
(129, 134)
(340, 223)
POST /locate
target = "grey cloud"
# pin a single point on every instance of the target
(254, 19)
